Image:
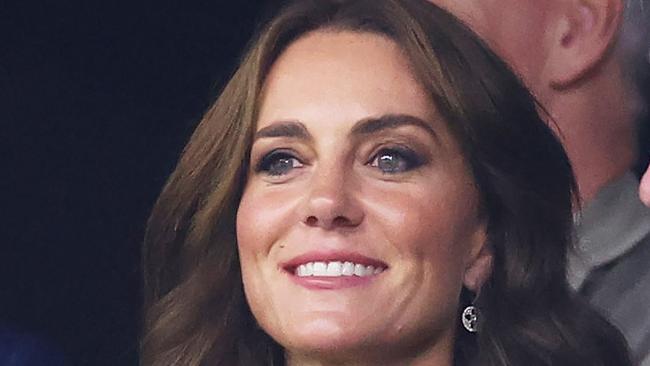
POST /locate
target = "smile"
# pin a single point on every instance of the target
(333, 269)
(336, 269)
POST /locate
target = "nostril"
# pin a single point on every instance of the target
(311, 221)
(341, 221)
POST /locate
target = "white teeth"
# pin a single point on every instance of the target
(300, 271)
(348, 269)
(336, 269)
(359, 270)
(320, 269)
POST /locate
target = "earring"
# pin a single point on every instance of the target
(470, 318)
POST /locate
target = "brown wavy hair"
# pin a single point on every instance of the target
(195, 310)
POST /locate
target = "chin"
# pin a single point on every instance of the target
(325, 336)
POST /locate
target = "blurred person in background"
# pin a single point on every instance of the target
(645, 188)
(585, 61)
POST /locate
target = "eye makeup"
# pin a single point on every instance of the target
(278, 162)
(390, 152)
(396, 159)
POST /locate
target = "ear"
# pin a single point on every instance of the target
(583, 36)
(479, 266)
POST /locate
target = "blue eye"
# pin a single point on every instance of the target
(278, 163)
(395, 160)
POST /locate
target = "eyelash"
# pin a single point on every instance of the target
(266, 163)
(411, 159)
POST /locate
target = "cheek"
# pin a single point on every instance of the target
(248, 234)
(429, 231)
(436, 242)
(254, 217)
(432, 221)
(262, 218)
(432, 229)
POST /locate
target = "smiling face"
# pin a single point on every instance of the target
(358, 225)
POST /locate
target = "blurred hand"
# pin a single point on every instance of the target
(644, 189)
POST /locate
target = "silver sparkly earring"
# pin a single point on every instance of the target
(470, 318)
(471, 315)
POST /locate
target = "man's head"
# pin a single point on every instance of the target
(579, 57)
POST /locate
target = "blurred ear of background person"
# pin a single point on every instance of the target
(586, 62)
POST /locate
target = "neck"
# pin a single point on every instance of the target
(438, 354)
(305, 360)
(596, 126)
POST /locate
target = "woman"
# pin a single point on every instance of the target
(373, 187)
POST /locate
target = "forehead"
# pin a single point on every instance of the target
(327, 77)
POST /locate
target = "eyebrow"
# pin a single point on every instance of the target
(292, 129)
(391, 121)
(367, 126)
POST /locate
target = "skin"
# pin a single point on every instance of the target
(421, 220)
(562, 51)
(644, 190)
(510, 26)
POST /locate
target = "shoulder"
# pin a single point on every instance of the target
(622, 294)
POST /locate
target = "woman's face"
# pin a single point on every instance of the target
(358, 224)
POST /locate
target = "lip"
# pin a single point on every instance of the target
(332, 283)
(330, 256)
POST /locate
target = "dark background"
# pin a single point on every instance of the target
(97, 99)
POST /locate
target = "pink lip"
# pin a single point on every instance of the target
(331, 283)
(330, 256)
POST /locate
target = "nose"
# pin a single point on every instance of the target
(332, 201)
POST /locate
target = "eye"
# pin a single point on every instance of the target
(278, 163)
(395, 160)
